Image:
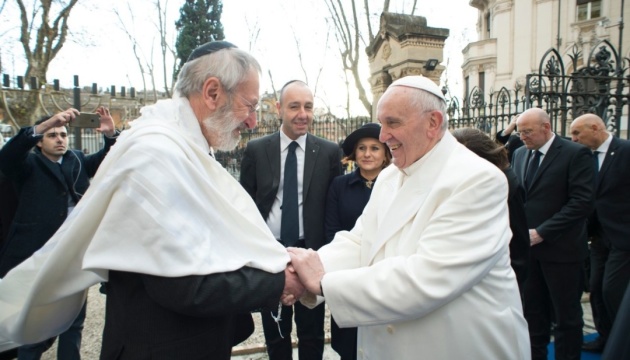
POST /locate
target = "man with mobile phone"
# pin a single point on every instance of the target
(49, 182)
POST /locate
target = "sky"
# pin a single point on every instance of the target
(98, 49)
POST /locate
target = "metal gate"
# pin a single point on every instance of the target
(600, 87)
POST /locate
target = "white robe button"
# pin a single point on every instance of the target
(390, 329)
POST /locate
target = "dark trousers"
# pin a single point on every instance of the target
(310, 332)
(343, 340)
(68, 348)
(554, 288)
(618, 346)
(599, 257)
(616, 279)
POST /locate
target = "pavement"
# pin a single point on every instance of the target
(259, 353)
(251, 349)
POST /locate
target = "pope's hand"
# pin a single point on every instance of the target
(309, 268)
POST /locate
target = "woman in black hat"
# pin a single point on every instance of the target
(347, 196)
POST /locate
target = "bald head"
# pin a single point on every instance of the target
(589, 130)
(534, 127)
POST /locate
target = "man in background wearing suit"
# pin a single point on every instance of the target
(558, 179)
(608, 224)
(265, 177)
(48, 183)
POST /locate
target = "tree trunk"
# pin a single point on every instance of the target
(49, 39)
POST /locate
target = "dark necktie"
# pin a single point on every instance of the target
(532, 167)
(596, 165)
(290, 225)
(596, 161)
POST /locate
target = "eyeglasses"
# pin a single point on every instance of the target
(524, 133)
(251, 108)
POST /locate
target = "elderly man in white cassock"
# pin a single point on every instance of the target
(182, 248)
(425, 273)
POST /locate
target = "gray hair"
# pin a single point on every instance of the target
(231, 66)
(426, 101)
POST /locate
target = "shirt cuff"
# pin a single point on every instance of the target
(32, 133)
(116, 133)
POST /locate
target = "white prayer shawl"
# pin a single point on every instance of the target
(159, 205)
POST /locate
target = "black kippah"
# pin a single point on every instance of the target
(209, 48)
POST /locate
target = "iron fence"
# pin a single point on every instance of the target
(327, 127)
(600, 86)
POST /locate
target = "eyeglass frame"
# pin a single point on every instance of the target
(251, 108)
(524, 132)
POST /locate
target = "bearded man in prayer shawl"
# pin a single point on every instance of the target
(182, 247)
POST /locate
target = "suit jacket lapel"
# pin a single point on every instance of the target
(609, 159)
(53, 168)
(554, 150)
(273, 156)
(522, 165)
(310, 157)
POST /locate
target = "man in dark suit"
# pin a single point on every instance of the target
(608, 224)
(558, 179)
(49, 181)
(263, 175)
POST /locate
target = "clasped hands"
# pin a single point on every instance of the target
(304, 273)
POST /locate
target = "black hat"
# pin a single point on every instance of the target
(209, 48)
(371, 130)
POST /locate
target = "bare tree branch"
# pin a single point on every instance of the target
(413, 8)
(163, 45)
(348, 35)
(134, 46)
(41, 42)
(367, 17)
(273, 87)
(299, 51)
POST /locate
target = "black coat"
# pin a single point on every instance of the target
(559, 199)
(42, 188)
(612, 195)
(189, 317)
(347, 196)
(519, 244)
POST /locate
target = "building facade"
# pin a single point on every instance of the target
(515, 35)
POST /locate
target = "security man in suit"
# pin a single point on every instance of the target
(608, 224)
(271, 168)
(49, 181)
(558, 179)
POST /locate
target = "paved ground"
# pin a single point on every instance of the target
(251, 349)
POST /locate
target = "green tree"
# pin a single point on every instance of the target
(199, 22)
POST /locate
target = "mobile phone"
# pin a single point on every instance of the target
(86, 120)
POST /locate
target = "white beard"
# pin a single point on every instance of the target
(221, 126)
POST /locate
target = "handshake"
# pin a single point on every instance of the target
(304, 273)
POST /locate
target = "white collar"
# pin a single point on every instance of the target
(603, 148)
(285, 141)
